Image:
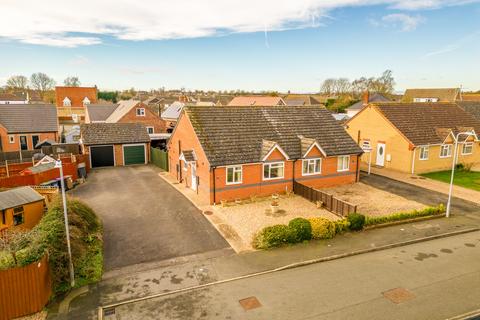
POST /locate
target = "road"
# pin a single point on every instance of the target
(437, 280)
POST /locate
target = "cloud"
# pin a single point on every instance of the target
(79, 23)
(404, 21)
(454, 45)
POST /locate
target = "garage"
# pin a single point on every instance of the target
(102, 156)
(134, 154)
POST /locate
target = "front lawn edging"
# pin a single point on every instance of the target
(398, 222)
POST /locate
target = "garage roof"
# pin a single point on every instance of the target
(113, 133)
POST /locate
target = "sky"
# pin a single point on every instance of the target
(255, 45)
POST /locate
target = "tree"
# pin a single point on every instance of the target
(108, 95)
(15, 239)
(42, 82)
(71, 82)
(17, 82)
(328, 86)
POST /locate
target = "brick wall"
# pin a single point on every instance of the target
(149, 120)
(15, 146)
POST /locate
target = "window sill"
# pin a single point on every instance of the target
(233, 183)
(311, 174)
(267, 179)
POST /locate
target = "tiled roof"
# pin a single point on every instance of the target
(471, 97)
(113, 133)
(426, 123)
(10, 97)
(443, 94)
(256, 101)
(100, 112)
(301, 100)
(18, 196)
(376, 97)
(233, 135)
(23, 118)
(76, 95)
(123, 107)
(472, 107)
(189, 155)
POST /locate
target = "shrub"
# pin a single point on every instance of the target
(272, 236)
(430, 211)
(301, 229)
(356, 221)
(341, 225)
(322, 228)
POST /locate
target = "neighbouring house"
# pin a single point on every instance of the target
(20, 207)
(301, 100)
(22, 126)
(366, 99)
(171, 114)
(432, 95)
(471, 97)
(10, 98)
(263, 101)
(225, 153)
(115, 144)
(71, 103)
(471, 106)
(415, 137)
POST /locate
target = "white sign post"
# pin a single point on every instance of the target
(367, 148)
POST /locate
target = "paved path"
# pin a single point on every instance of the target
(433, 280)
(145, 219)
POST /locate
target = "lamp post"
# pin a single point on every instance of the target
(454, 162)
(58, 164)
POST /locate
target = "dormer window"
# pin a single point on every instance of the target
(67, 102)
(86, 101)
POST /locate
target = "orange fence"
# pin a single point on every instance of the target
(24, 290)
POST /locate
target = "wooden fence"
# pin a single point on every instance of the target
(159, 158)
(332, 204)
(24, 290)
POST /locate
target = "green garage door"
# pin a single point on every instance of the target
(134, 154)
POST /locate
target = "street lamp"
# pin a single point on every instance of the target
(454, 162)
(58, 164)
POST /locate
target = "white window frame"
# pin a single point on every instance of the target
(470, 145)
(447, 147)
(343, 169)
(153, 130)
(67, 102)
(269, 165)
(316, 169)
(11, 138)
(235, 169)
(141, 113)
(86, 101)
(423, 154)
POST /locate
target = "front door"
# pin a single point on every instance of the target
(23, 143)
(380, 154)
(194, 175)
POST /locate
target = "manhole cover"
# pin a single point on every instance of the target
(207, 212)
(398, 295)
(250, 303)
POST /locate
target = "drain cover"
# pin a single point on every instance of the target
(398, 295)
(207, 212)
(250, 303)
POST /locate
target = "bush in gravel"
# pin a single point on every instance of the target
(356, 221)
(341, 225)
(272, 236)
(430, 211)
(301, 229)
(322, 228)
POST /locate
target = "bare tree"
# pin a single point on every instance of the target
(17, 82)
(72, 82)
(42, 82)
(13, 240)
(328, 86)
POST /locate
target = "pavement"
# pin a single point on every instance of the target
(145, 219)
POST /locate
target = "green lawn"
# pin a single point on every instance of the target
(465, 179)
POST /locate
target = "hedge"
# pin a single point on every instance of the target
(322, 228)
(356, 221)
(301, 230)
(272, 236)
(430, 211)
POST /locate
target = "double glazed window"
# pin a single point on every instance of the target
(140, 112)
(423, 153)
(445, 151)
(311, 166)
(234, 174)
(274, 170)
(343, 163)
(467, 148)
(18, 216)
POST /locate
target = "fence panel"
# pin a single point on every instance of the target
(159, 158)
(24, 290)
(332, 204)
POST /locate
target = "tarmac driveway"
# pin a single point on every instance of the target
(145, 219)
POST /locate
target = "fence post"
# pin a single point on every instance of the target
(6, 168)
(21, 156)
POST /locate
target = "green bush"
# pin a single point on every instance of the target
(322, 228)
(430, 211)
(301, 229)
(356, 221)
(341, 225)
(272, 236)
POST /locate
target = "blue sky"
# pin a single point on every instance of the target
(434, 43)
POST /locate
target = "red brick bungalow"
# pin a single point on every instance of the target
(226, 153)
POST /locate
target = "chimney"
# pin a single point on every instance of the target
(365, 97)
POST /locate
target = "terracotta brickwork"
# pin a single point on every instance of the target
(15, 146)
(150, 119)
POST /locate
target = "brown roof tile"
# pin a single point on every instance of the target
(113, 133)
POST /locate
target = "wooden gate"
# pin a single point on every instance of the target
(332, 204)
(159, 158)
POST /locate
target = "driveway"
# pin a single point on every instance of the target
(145, 219)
